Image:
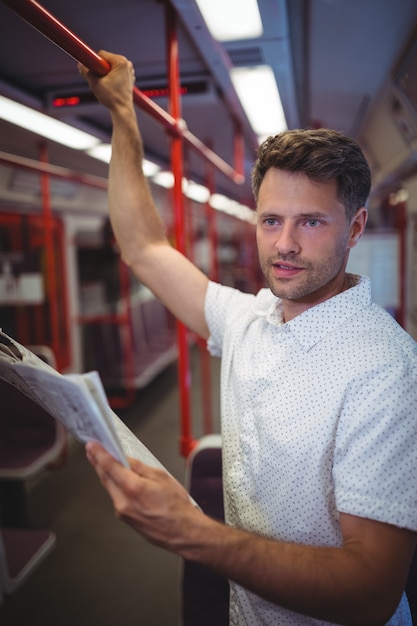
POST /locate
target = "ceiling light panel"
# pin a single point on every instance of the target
(228, 22)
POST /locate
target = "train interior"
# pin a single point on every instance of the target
(64, 291)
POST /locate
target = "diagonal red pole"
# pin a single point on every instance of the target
(53, 170)
(38, 17)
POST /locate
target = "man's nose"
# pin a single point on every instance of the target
(287, 240)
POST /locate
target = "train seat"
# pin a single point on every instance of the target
(30, 441)
(205, 595)
(21, 551)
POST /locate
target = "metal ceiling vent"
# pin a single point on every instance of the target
(247, 56)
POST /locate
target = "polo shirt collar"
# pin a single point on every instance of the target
(315, 323)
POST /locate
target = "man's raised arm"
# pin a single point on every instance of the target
(136, 223)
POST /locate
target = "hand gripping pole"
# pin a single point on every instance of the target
(38, 17)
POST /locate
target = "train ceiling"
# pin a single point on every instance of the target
(330, 59)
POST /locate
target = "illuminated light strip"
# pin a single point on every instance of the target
(258, 92)
(45, 126)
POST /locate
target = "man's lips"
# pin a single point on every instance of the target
(282, 269)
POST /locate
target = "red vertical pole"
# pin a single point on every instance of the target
(51, 276)
(212, 226)
(401, 224)
(22, 312)
(186, 440)
(238, 149)
(124, 320)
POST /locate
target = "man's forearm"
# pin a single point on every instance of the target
(333, 584)
(133, 214)
(360, 582)
(137, 226)
(134, 217)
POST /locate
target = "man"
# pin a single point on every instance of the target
(319, 391)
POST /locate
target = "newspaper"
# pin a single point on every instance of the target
(78, 401)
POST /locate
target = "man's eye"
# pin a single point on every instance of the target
(313, 223)
(270, 221)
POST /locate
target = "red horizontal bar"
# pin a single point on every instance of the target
(38, 17)
(102, 318)
(53, 170)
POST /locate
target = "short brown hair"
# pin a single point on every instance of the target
(322, 155)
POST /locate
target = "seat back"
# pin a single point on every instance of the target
(205, 595)
(21, 551)
(30, 439)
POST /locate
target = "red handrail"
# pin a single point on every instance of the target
(401, 226)
(38, 17)
(48, 25)
(53, 170)
(186, 441)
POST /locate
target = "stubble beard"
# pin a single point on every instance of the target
(312, 279)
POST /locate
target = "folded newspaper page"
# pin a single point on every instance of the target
(78, 401)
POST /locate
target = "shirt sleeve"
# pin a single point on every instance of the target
(223, 306)
(375, 469)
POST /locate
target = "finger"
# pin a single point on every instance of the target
(144, 470)
(93, 450)
(82, 69)
(111, 472)
(114, 477)
(115, 60)
(111, 58)
(104, 464)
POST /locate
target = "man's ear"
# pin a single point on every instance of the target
(357, 226)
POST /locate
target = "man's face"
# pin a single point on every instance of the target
(303, 239)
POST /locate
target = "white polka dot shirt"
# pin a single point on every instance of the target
(319, 415)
